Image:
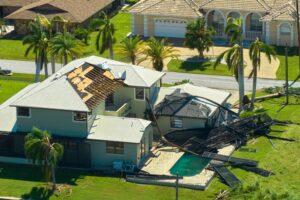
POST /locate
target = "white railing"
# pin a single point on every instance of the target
(252, 35)
(118, 111)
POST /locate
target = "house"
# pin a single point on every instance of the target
(271, 20)
(189, 107)
(93, 106)
(99, 109)
(76, 11)
(9, 6)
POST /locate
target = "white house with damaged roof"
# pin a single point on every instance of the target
(99, 110)
(271, 20)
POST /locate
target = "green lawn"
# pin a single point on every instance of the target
(284, 161)
(198, 68)
(14, 49)
(9, 85)
(293, 63)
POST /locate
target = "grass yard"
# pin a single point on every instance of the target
(293, 63)
(284, 161)
(198, 68)
(9, 85)
(13, 49)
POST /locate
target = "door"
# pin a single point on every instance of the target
(170, 28)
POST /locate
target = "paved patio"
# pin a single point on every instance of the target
(166, 159)
(267, 70)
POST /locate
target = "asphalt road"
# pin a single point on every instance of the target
(218, 82)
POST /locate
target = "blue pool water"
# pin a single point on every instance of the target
(189, 165)
(225, 43)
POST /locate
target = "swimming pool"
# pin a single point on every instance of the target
(225, 42)
(189, 165)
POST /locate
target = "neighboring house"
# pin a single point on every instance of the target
(186, 107)
(76, 11)
(271, 20)
(9, 6)
(98, 109)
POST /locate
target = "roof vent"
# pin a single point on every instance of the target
(104, 66)
(57, 75)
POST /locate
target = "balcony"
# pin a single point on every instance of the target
(118, 110)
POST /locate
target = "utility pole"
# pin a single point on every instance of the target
(286, 75)
(298, 29)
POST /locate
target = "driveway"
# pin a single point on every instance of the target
(267, 70)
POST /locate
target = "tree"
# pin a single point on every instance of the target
(49, 26)
(2, 28)
(105, 37)
(199, 36)
(256, 49)
(234, 56)
(82, 34)
(40, 150)
(158, 50)
(37, 43)
(65, 45)
(131, 47)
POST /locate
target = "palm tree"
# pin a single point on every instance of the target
(234, 56)
(37, 43)
(66, 45)
(131, 47)
(158, 50)
(199, 36)
(40, 150)
(256, 48)
(105, 38)
(49, 26)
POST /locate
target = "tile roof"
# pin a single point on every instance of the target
(186, 8)
(282, 11)
(74, 10)
(249, 5)
(16, 3)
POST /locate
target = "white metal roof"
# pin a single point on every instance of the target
(118, 129)
(57, 93)
(8, 115)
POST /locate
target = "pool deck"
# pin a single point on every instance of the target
(166, 159)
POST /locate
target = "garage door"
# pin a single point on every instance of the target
(170, 28)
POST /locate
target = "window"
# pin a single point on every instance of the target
(109, 101)
(176, 123)
(115, 147)
(140, 93)
(255, 23)
(23, 112)
(285, 29)
(79, 116)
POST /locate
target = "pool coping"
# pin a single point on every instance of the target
(205, 173)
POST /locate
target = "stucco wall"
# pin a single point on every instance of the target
(188, 123)
(277, 39)
(99, 157)
(58, 122)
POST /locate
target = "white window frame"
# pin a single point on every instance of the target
(135, 94)
(29, 109)
(176, 119)
(73, 120)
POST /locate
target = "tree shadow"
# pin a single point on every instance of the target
(42, 193)
(191, 66)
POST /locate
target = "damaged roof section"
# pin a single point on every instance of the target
(182, 105)
(93, 84)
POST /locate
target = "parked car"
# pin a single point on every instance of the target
(5, 72)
